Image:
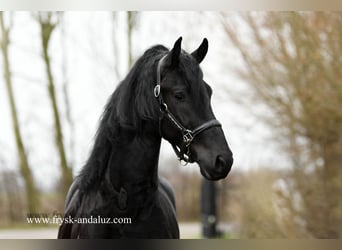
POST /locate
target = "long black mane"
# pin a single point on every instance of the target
(128, 107)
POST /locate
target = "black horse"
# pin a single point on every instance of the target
(163, 96)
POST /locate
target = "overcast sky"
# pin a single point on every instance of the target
(86, 45)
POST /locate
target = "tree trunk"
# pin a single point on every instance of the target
(66, 93)
(46, 30)
(25, 169)
(130, 26)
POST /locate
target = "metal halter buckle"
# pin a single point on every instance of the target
(188, 137)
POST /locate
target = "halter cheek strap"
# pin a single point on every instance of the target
(182, 151)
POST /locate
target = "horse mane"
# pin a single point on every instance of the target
(131, 103)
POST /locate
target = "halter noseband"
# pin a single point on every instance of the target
(188, 135)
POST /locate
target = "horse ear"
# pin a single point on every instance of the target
(173, 56)
(202, 50)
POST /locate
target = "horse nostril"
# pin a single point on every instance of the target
(220, 163)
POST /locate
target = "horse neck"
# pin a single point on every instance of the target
(136, 160)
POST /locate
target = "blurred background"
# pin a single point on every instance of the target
(277, 83)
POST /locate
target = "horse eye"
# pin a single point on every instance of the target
(179, 96)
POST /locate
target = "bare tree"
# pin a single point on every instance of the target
(131, 25)
(25, 168)
(66, 86)
(48, 23)
(130, 22)
(115, 22)
(292, 61)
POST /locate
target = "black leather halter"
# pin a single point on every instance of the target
(188, 135)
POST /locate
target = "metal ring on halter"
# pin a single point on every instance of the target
(156, 91)
(163, 107)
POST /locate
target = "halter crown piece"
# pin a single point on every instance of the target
(182, 151)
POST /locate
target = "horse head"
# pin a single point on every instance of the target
(187, 120)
